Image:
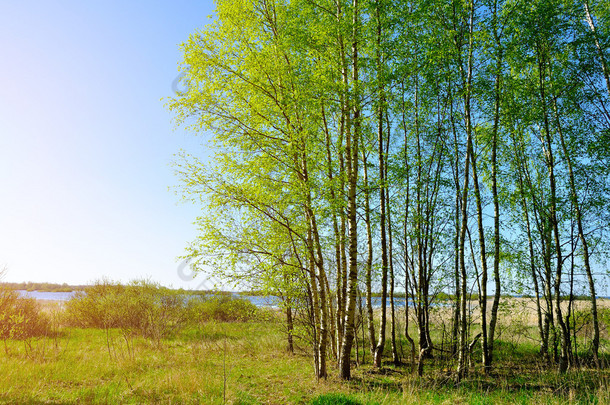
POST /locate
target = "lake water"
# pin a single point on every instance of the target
(43, 295)
(259, 301)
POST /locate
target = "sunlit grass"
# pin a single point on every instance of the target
(226, 361)
(246, 363)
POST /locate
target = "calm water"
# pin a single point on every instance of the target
(42, 295)
(66, 296)
(272, 301)
(259, 301)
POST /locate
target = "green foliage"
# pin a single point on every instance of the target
(21, 318)
(141, 307)
(583, 320)
(223, 308)
(283, 97)
(604, 317)
(149, 310)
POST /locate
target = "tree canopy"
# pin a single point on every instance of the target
(433, 147)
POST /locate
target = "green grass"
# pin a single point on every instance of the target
(186, 369)
(246, 363)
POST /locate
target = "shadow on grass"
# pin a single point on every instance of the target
(520, 374)
(334, 399)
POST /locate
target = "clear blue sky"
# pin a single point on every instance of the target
(86, 142)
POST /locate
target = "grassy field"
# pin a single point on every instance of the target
(246, 363)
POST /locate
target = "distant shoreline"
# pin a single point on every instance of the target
(33, 287)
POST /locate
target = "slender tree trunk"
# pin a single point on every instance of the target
(315, 251)
(384, 250)
(315, 305)
(369, 259)
(362, 324)
(600, 51)
(344, 128)
(290, 328)
(583, 239)
(541, 219)
(408, 261)
(395, 358)
(456, 264)
(322, 308)
(351, 151)
(407, 295)
(342, 284)
(549, 321)
(463, 344)
(565, 336)
(331, 319)
(494, 191)
(484, 270)
(338, 239)
(543, 338)
(382, 195)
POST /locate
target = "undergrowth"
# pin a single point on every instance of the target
(222, 351)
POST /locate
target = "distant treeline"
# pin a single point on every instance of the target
(46, 287)
(53, 287)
